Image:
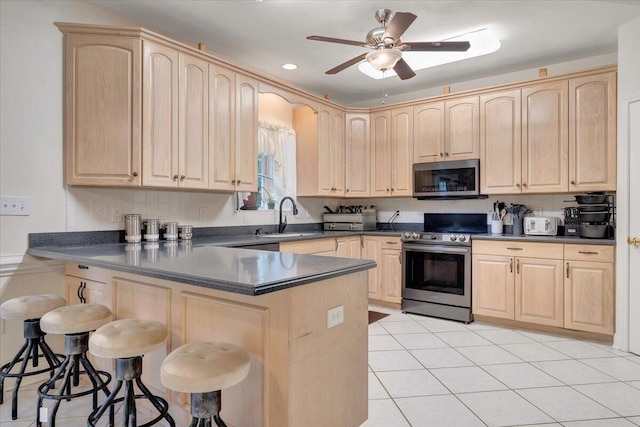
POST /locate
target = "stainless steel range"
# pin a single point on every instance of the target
(436, 277)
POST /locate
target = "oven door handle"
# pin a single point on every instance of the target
(437, 248)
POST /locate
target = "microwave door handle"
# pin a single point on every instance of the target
(546, 225)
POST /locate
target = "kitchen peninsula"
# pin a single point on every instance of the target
(275, 305)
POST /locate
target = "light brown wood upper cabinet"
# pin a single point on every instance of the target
(446, 130)
(246, 134)
(222, 143)
(500, 142)
(103, 84)
(391, 152)
(545, 138)
(592, 133)
(320, 156)
(175, 119)
(357, 155)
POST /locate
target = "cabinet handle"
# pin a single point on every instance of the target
(518, 266)
(336, 245)
(514, 249)
(135, 174)
(182, 177)
(392, 243)
(588, 252)
(567, 270)
(175, 177)
(573, 182)
(400, 258)
(518, 184)
(83, 267)
(361, 242)
(511, 265)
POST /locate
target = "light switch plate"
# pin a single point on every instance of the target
(15, 206)
(335, 316)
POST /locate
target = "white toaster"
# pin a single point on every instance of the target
(540, 225)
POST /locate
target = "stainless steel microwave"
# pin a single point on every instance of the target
(456, 179)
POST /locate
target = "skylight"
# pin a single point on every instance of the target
(482, 43)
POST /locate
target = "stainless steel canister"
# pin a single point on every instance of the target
(152, 230)
(186, 232)
(133, 228)
(170, 230)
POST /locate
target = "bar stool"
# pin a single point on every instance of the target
(203, 369)
(75, 322)
(30, 309)
(127, 341)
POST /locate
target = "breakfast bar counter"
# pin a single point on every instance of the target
(302, 318)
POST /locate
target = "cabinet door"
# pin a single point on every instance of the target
(246, 132)
(160, 116)
(428, 132)
(348, 247)
(545, 138)
(136, 300)
(380, 153)
(402, 151)
(193, 119)
(337, 152)
(222, 144)
(357, 160)
(391, 275)
(539, 291)
(355, 247)
(493, 286)
(500, 142)
(103, 81)
(371, 250)
(325, 178)
(592, 133)
(588, 297)
(461, 123)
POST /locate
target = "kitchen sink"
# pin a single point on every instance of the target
(280, 235)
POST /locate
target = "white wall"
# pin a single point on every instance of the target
(628, 87)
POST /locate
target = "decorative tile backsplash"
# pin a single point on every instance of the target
(91, 209)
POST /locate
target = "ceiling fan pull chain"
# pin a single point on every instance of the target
(384, 88)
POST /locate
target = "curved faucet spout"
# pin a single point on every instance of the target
(283, 223)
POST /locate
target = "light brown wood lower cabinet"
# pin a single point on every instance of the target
(299, 366)
(568, 286)
(385, 281)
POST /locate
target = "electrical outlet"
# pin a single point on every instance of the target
(15, 206)
(116, 214)
(335, 316)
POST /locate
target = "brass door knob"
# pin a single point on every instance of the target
(635, 241)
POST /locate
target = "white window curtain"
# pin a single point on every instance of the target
(279, 143)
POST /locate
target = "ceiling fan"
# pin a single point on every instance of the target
(387, 46)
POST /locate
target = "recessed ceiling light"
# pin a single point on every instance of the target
(289, 66)
(482, 42)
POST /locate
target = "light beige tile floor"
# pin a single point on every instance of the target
(431, 372)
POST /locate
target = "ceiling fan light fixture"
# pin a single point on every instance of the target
(384, 59)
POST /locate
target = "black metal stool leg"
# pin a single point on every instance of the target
(34, 340)
(205, 407)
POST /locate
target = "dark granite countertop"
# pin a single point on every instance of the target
(244, 271)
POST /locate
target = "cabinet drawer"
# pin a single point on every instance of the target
(599, 253)
(520, 249)
(390, 242)
(310, 247)
(90, 273)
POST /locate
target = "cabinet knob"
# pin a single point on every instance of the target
(573, 182)
(239, 181)
(518, 184)
(441, 154)
(391, 189)
(635, 241)
(135, 174)
(175, 177)
(233, 181)
(524, 184)
(387, 189)
(446, 154)
(182, 177)
(347, 190)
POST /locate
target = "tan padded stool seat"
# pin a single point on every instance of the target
(74, 319)
(204, 367)
(127, 338)
(30, 306)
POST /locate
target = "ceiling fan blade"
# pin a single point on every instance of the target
(347, 64)
(334, 40)
(403, 70)
(399, 24)
(435, 46)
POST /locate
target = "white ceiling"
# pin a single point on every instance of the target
(264, 35)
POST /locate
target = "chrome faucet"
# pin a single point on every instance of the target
(282, 224)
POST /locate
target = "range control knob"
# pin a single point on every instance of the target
(453, 237)
(415, 236)
(462, 238)
(434, 237)
(406, 236)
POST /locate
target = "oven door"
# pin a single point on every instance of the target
(437, 273)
